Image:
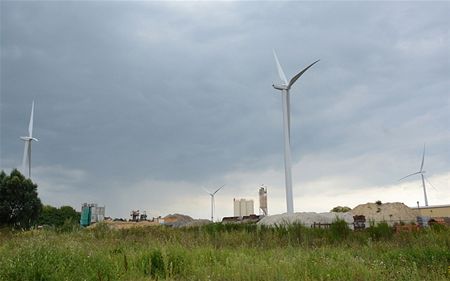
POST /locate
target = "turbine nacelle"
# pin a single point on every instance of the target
(280, 87)
(28, 139)
(288, 84)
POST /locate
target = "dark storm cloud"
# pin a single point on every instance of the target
(131, 92)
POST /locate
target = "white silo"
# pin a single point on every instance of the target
(243, 207)
(263, 200)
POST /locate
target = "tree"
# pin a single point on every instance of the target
(58, 216)
(19, 202)
(340, 209)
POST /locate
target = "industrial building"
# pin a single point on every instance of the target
(243, 207)
(263, 201)
(435, 211)
(91, 213)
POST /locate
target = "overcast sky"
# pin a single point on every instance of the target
(141, 105)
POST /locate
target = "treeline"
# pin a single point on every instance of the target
(21, 208)
(57, 217)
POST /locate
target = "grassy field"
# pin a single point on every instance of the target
(225, 252)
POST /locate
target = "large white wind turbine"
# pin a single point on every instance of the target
(421, 172)
(27, 150)
(212, 200)
(284, 88)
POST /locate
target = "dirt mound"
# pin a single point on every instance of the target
(305, 218)
(177, 220)
(195, 223)
(389, 212)
(125, 224)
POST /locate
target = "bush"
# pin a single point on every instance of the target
(340, 209)
(436, 227)
(158, 269)
(339, 230)
(69, 225)
(381, 231)
(101, 230)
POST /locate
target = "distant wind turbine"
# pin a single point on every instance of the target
(284, 88)
(421, 172)
(28, 140)
(212, 200)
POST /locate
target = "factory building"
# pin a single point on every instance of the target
(433, 211)
(243, 207)
(91, 213)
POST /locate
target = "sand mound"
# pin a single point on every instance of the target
(177, 220)
(305, 218)
(125, 224)
(389, 212)
(196, 223)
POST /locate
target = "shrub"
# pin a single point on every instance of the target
(380, 231)
(436, 227)
(340, 209)
(158, 269)
(101, 230)
(339, 230)
(177, 262)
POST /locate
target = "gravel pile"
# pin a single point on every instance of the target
(389, 212)
(305, 218)
(177, 220)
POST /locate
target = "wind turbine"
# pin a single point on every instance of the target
(212, 200)
(421, 172)
(284, 88)
(28, 140)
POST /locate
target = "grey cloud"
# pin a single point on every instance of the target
(129, 92)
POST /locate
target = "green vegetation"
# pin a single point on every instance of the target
(19, 202)
(21, 208)
(340, 209)
(225, 252)
(59, 217)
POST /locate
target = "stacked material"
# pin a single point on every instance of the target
(389, 212)
(305, 218)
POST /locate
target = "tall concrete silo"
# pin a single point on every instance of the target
(263, 200)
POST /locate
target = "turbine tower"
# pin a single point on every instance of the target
(28, 140)
(421, 172)
(284, 88)
(212, 201)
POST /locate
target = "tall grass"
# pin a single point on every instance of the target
(225, 252)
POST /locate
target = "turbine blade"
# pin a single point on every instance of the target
(300, 74)
(423, 158)
(207, 191)
(25, 157)
(30, 126)
(426, 178)
(280, 69)
(218, 189)
(410, 175)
